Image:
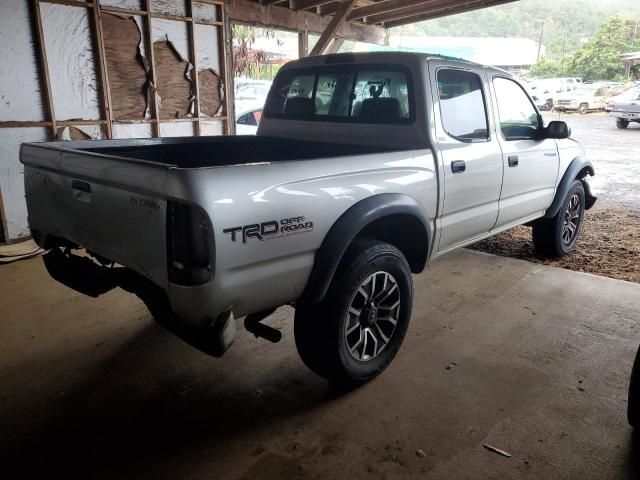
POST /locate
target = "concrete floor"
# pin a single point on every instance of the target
(93, 388)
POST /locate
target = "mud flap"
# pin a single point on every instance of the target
(85, 276)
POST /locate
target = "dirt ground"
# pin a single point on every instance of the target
(609, 243)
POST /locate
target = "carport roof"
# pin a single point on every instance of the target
(364, 20)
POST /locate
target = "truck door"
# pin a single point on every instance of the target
(471, 159)
(530, 163)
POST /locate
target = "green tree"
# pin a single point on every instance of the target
(546, 68)
(599, 58)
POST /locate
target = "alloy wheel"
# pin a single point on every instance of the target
(571, 220)
(372, 317)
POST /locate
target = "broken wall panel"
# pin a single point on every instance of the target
(129, 4)
(173, 85)
(211, 92)
(173, 69)
(176, 129)
(133, 130)
(172, 7)
(68, 40)
(20, 93)
(12, 176)
(205, 11)
(211, 127)
(127, 75)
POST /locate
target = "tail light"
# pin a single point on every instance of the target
(190, 253)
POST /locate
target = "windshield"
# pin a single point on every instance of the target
(631, 94)
(354, 93)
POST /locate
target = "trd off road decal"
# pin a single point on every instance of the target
(270, 230)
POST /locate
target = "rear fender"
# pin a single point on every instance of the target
(354, 222)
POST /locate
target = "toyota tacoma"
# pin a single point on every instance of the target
(365, 167)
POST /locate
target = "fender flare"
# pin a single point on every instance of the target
(347, 227)
(577, 169)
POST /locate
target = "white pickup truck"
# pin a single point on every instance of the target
(364, 168)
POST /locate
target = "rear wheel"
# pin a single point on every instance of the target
(621, 123)
(557, 236)
(356, 331)
(583, 108)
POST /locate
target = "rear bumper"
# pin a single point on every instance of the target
(631, 116)
(213, 333)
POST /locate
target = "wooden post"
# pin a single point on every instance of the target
(45, 68)
(194, 61)
(335, 45)
(226, 66)
(303, 44)
(102, 68)
(152, 68)
(336, 22)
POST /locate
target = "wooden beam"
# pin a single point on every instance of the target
(434, 7)
(303, 44)
(102, 68)
(252, 13)
(155, 108)
(225, 38)
(45, 68)
(193, 54)
(400, 20)
(335, 45)
(333, 27)
(305, 4)
(383, 7)
(70, 3)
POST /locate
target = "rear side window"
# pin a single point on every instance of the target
(358, 94)
(462, 105)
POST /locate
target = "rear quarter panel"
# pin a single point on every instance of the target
(253, 274)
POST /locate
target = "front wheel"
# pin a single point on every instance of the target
(621, 123)
(557, 236)
(357, 329)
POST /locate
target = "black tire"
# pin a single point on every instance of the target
(320, 330)
(549, 233)
(621, 123)
(633, 406)
(583, 109)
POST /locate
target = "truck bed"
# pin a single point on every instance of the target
(221, 151)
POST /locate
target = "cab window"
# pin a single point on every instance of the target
(519, 119)
(462, 105)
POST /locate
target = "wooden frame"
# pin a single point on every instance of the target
(102, 70)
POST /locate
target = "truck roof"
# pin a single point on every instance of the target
(383, 57)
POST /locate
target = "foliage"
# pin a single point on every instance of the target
(246, 58)
(563, 25)
(547, 68)
(599, 58)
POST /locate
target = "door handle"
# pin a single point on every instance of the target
(513, 160)
(82, 186)
(458, 166)
(81, 191)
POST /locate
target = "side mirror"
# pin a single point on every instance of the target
(557, 129)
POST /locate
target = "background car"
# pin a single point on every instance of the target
(626, 108)
(247, 121)
(586, 98)
(545, 92)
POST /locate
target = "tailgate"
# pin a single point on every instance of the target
(112, 206)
